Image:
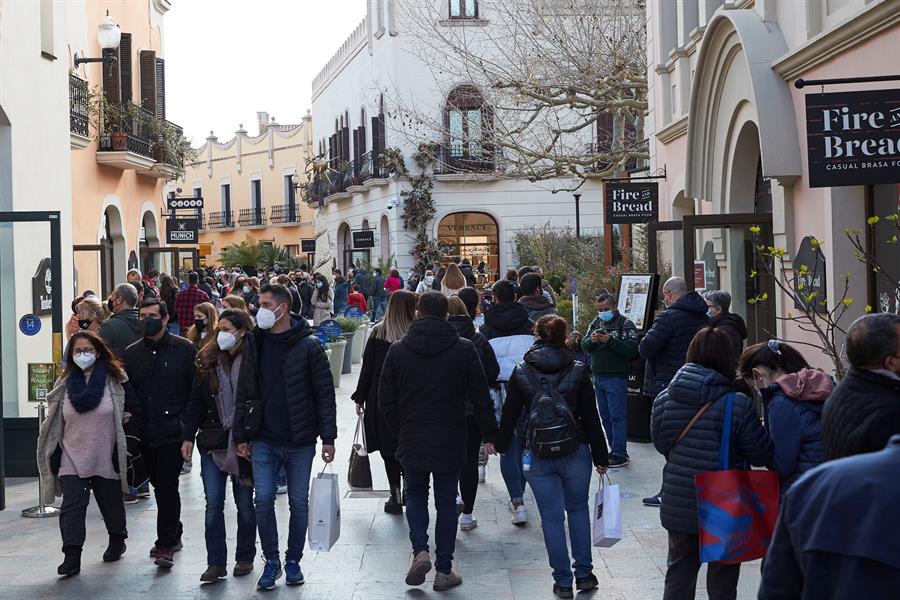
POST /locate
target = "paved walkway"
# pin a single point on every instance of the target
(497, 560)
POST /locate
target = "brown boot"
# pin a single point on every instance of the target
(445, 581)
(419, 568)
(243, 567)
(213, 573)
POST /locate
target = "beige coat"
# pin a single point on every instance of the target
(322, 308)
(51, 436)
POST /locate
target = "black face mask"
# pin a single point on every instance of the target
(84, 323)
(152, 326)
(109, 304)
(200, 324)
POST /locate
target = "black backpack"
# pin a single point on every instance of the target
(551, 429)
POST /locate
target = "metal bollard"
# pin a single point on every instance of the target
(41, 511)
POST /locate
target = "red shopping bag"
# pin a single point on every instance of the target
(736, 509)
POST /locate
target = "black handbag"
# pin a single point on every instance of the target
(359, 475)
(213, 438)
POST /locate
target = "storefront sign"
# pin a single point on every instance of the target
(364, 239)
(853, 138)
(635, 292)
(41, 288)
(205, 250)
(711, 274)
(189, 202)
(307, 246)
(809, 277)
(182, 231)
(631, 202)
(41, 377)
(699, 276)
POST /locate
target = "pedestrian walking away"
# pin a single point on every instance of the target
(161, 370)
(560, 479)
(123, 328)
(425, 381)
(82, 447)
(211, 413)
(285, 401)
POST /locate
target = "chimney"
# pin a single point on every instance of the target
(262, 118)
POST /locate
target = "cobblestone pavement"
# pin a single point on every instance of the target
(496, 560)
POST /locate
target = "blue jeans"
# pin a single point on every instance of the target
(511, 469)
(612, 402)
(561, 487)
(298, 464)
(417, 514)
(378, 308)
(214, 484)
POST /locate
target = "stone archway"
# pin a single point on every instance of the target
(150, 239)
(114, 241)
(384, 233)
(344, 245)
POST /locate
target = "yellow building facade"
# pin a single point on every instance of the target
(247, 188)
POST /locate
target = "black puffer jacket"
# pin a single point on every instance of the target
(162, 374)
(466, 329)
(861, 415)
(425, 382)
(506, 319)
(698, 451)
(736, 329)
(537, 307)
(665, 345)
(571, 379)
(309, 387)
(378, 436)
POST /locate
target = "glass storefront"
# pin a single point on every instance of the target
(474, 236)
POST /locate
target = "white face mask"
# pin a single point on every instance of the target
(265, 318)
(84, 360)
(226, 340)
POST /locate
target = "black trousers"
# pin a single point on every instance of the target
(394, 470)
(468, 476)
(77, 496)
(684, 563)
(163, 465)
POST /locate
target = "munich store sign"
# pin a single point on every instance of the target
(631, 202)
(853, 138)
(182, 231)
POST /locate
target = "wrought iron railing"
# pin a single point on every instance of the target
(132, 123)
(223, 219)
(460, 158)
(370, 167)
(166, 144)
(286, 213)
(250, 217)
(78, 106)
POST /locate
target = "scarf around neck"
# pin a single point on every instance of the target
(84, 395)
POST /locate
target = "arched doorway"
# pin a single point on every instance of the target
(345, 247)
(474, 236)
(114, 245)
(149, 239)
(384, 234)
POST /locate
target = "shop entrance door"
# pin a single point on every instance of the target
(103, 254)
(171, 260)
(718, 255)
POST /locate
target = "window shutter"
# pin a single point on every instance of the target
(356, 151)
(160, 88)
(345, 146)
(111, 83)
(605, 131)
(125, 67)
(148, 80)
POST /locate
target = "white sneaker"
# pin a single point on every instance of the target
(186, 467)
(281, 489)
(520, 515)
(467, 522)
(460, 505)
(482, 471)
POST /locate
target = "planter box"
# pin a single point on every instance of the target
(346, 367)
(359, 344)
(336, 360)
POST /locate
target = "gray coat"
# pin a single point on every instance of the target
(51, 436)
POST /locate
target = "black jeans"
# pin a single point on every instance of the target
(394, 470)
(164, 467)
(684, 563)
(77, 495)
(468, 476)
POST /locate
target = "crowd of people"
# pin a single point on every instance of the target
(226, 363)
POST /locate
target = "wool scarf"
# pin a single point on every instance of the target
(84, 395)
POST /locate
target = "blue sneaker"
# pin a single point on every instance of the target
(271, 573)
(294, 574)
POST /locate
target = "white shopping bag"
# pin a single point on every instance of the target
(607, 516)
(324, 512)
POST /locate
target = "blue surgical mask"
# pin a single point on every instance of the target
(605, 315)
(319, 284)
(709, 313)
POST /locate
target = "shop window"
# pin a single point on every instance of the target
(463, 9)
(474, 236)
(293, 249)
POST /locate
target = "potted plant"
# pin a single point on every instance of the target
(359, 341)
(348, 332)
(337, 345)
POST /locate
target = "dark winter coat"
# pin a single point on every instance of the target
(537, 307)
(665, 345)
(378, 436)
(162, 375)
(466, 271)
(378, 290)
(305, 291)
(121, 330)
(698, 452)
(793, 406)
(364, 281)
(309, 388)
(341, 291)
(556, 365)
(425, 382)
(466, 330)
(836, 533)
(861, 414)
(736, 329)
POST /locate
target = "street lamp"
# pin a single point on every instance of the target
(577, 215)
(108, 37)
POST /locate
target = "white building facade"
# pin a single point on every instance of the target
(357, 102)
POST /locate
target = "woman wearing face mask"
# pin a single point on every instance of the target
(202, 332)
(168, 290)
(82, 447)
(250, 293)
(323, 300)
(793, 395)
(211, 411)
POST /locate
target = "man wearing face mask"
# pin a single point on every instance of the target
(612, 343)
(123, 328)
(187, 300)
(161, 370)
(285, 400)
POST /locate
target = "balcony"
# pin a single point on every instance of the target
(251, 217)
(457, 159)
(286, 214)
(166, 141)
(370, 167)
(223, 219)
(125, 139)
(79, 123)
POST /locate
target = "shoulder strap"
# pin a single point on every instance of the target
(725, 448)
(691, 423)
(529, 374)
